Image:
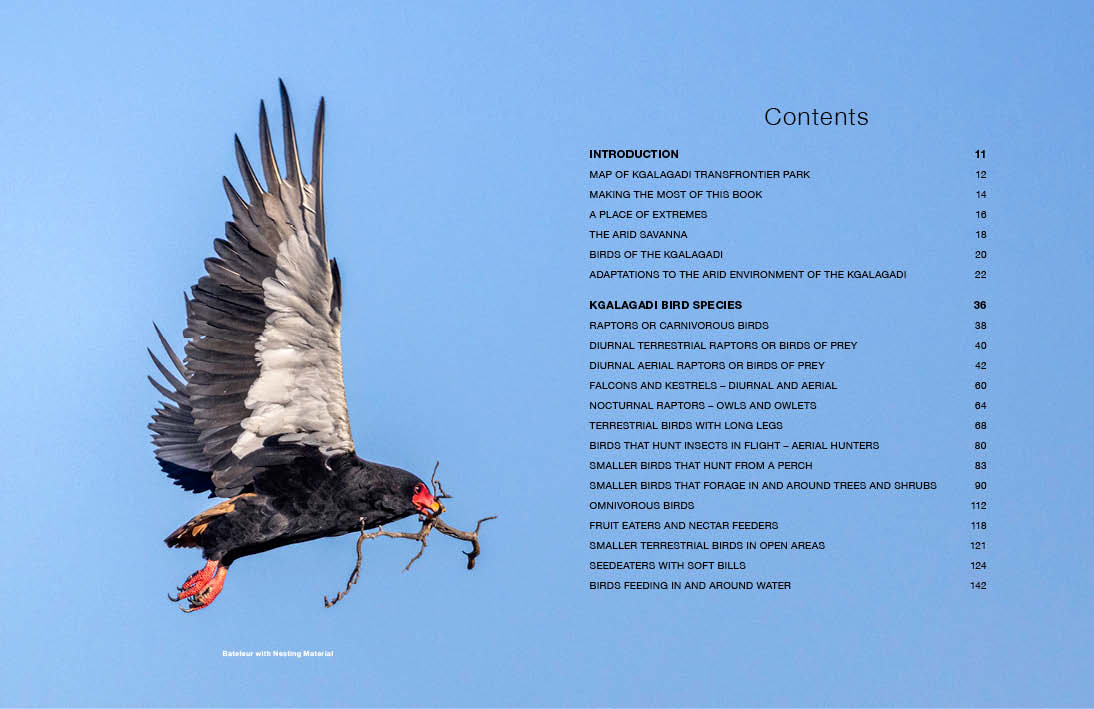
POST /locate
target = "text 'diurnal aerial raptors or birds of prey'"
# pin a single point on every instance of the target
(255, 412)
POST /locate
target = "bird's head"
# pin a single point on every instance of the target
(384, 493)
(423, 500)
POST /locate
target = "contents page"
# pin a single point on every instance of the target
(548, 354)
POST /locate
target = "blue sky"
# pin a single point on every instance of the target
(456, 187)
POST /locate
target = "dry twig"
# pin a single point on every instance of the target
(429, 523)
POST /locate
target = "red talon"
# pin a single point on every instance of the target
(208, 594)
(198, 580)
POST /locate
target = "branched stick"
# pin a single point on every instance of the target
(356, 571)
(429, 523)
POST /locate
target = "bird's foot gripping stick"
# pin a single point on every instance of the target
(203, 586)
(429, 523)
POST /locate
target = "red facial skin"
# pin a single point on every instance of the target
(425, 502)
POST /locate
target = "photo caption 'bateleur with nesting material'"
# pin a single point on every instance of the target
(257, 411)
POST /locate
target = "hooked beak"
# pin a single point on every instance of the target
(430, 509)
(427, 504)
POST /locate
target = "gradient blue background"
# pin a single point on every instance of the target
(456, 184)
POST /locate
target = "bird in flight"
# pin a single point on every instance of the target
(256, 410)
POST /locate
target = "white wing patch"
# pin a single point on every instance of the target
(299, 394)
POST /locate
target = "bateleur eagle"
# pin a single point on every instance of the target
(257, 413)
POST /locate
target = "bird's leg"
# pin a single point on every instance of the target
(196, 581)
(208, 594)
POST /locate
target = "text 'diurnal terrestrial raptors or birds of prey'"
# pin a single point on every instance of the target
(255, 411)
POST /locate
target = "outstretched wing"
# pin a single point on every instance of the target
(264, 357)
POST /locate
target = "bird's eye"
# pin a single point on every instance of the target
(417, 488)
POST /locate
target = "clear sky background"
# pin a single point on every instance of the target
(456, 185)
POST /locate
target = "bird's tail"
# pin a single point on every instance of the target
(189, 534)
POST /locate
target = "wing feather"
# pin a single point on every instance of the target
(263, 364)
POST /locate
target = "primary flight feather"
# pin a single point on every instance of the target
(257, 410)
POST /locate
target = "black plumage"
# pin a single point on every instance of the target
(255, 410)
(300, 497)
